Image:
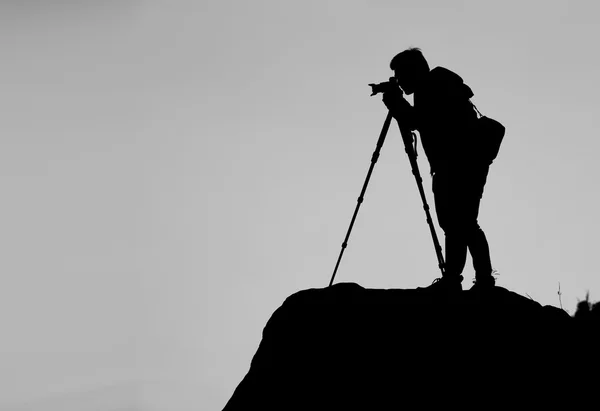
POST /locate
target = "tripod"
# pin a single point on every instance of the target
(408, 137)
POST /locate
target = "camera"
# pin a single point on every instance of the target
(385, 86)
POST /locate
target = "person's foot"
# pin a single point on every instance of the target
(446, 284)
(483, 283)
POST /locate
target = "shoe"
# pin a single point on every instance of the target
(483, 283)
(446, 284)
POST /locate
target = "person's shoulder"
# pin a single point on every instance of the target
(442, 74)
(441, 78)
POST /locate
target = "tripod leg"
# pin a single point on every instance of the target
(374, 158)
(408, 137)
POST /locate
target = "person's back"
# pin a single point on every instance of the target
(444, 114)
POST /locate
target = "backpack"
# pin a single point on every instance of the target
(488, 135)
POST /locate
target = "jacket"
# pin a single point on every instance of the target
(444, 117)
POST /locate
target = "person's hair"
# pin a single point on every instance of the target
(411, 59)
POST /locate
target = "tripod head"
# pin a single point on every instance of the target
(385, 86)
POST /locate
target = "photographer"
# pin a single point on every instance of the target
(445, 119)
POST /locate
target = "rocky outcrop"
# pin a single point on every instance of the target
(346, 347)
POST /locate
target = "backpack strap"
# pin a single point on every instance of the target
(475, 107)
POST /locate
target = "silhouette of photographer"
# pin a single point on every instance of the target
(446, 120)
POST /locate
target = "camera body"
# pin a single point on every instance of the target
(385, 86)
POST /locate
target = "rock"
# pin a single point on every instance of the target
(346, 347)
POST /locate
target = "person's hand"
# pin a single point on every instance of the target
(393, 99)
(401, 109)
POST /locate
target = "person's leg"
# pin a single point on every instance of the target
(476, 239)
(456, 252)
(447, 202)
(480, 253)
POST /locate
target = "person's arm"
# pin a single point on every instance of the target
(401, 109)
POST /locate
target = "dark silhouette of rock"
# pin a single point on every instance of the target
(349, 348)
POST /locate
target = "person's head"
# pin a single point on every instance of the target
(409, 69)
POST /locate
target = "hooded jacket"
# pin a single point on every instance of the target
(444, 118)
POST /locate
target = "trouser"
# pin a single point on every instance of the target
(457, 194)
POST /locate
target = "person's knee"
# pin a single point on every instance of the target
(473, 232)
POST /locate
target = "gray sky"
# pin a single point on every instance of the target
(172, 171)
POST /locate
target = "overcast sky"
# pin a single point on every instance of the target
(173, 170)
